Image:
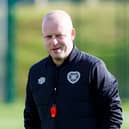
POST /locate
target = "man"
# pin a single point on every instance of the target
(69, 89)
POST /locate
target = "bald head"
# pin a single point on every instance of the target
(57, 16)
(58, 34)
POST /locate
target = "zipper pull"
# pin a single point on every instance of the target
(53, 111)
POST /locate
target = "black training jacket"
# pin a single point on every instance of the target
(84, 91)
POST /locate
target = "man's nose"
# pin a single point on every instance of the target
(54, 40)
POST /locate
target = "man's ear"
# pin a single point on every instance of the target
(73, 33)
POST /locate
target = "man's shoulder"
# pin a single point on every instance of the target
(39, 64)
(89, 58)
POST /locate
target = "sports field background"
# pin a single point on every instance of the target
(102, 30)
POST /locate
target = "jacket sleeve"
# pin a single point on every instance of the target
(31, 117)
(106, 97)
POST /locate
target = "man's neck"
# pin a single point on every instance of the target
(58, 62)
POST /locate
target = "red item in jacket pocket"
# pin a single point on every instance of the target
(53, 111)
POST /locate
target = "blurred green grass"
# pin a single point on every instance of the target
(11, 115)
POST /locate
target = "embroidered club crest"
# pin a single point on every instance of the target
(73, 76)
(41, 80)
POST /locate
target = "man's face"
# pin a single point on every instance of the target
(58, 38)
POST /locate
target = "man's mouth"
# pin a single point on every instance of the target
(56, 49)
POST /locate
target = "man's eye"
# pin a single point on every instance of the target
(55, 36)
(49, 36)
(60, 35)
